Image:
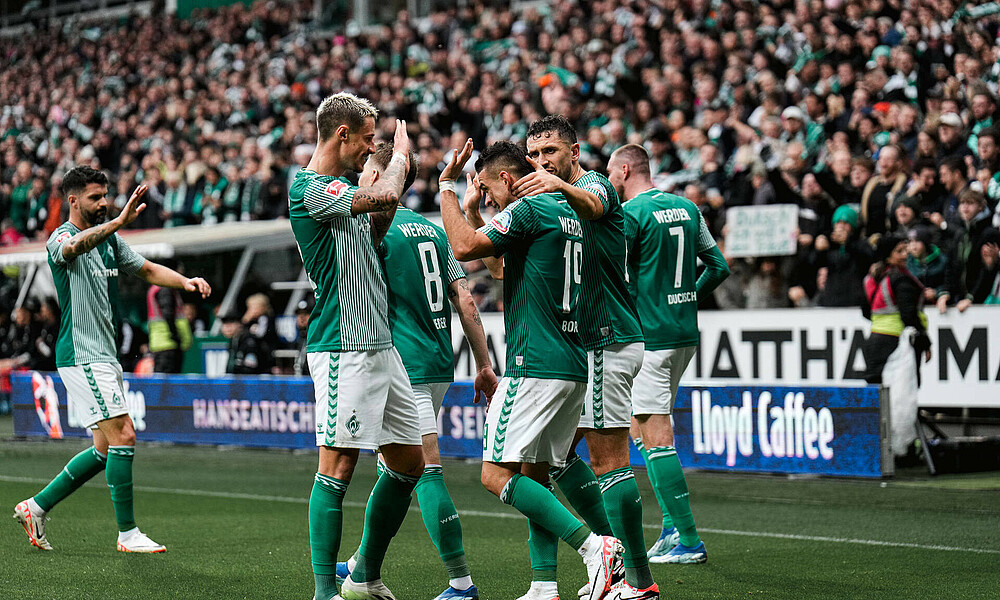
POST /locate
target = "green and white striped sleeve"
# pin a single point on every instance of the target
(129, 260)
(328, 198)
(455, 271)
(54, 246)
(705, 239)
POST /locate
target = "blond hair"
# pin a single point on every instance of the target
(343, 109)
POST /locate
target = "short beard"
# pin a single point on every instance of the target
(95, 217)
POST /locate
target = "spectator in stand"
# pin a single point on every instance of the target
(927, 262)
(906, 216)
(302, 312)
(246, 354)
(43, 353)
(953, 179)
(842, 261)
(925, 190)
(881, 191)
(953, 144)
(970, 233)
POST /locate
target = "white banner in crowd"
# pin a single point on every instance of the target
(762, 230)
(818, 347)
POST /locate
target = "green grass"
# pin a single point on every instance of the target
(235, 523)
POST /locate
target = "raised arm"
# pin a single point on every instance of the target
(467, 243)
(90, 238)
(473, 199)
(472, 325)
(384, 194)
(586, 204)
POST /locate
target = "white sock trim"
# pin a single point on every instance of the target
(34, 508)
(461, 583)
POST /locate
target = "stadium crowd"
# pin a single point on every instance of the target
(873, 117)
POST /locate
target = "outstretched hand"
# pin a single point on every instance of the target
(401, 141)
(197, 284)
(538, 182)
(133, 208)
(457, 163)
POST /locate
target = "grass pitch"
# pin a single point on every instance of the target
(235, 525)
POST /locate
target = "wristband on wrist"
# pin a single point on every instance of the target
(447, 186)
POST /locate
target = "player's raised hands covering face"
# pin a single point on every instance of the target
(457, 163)
(538, 182)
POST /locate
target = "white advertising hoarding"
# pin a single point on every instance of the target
(819, 347)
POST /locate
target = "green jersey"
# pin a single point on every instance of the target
(419, 268)
(664, 235)
(87, 287)
(541, 240)
(607, 311)
(351, 310)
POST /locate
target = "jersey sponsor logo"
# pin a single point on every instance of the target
(98, 272)
(671, 215)
(62, 237)
(501, 222)
(336, 188)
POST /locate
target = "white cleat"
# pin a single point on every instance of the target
(603, 559)
(134, 540)
(540, 593)
(34, 525)
(617, 576)
(370, 590)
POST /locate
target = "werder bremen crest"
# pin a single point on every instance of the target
(353, 425)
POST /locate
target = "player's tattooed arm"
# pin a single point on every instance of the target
(384, 194)
(380, 222)
(90, 238)
(472, 325)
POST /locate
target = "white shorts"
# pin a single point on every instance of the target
(363, 400)
(532, 420)
(95, 392)
(608, 403)
(656, 385)
(429, 398)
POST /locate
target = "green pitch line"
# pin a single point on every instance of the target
(508, 515)
(234, 523)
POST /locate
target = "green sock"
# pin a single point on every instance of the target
(667, 523)
(384, 514)
(441, 520)
(579, 484)
(119, 475)
(532, 500)
(78, 471)
(326, 519)
(543, 548)
(621, 496)
(669, 478)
